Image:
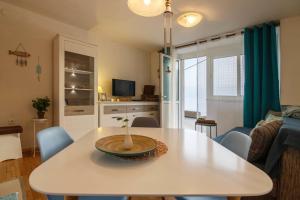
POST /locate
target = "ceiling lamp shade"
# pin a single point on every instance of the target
(189, 19)
(147, 8)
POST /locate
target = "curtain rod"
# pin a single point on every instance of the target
(218, 37)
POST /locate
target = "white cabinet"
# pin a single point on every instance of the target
(75, 86)
(110, 111)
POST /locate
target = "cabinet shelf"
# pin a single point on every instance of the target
(77, 71)
(80, 89)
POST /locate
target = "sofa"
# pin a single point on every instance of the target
(282, 163)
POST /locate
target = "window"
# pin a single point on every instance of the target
(225, 76)
(242, 67)
(195, 85)
(190, 84)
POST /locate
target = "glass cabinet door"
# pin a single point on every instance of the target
(79, 84)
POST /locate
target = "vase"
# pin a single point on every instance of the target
(41, 114)
(128, 144)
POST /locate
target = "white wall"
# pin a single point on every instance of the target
(290, 60)
(19, 85)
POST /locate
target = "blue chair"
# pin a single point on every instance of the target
(236, 142)
(53, 140)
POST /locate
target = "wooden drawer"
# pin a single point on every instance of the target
(135, 108)
(151, 108)
(79, 110)
(114, 109)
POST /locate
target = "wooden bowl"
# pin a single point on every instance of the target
(114, 145)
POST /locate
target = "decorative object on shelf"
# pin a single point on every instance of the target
(127, 143)
(101, 94)
(21, 54)
(189, 19)
(38, 70)
(168, 70)
(114, 145)
(41, 105)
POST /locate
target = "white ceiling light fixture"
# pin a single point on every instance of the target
(147, 8)
(189, 19)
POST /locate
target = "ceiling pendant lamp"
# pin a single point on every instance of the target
(147, 8)
(150, 8)
(168, 17)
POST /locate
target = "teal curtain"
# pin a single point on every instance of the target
(261, 73)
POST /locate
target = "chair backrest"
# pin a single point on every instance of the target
(145, 122)
(52, 140)
(238, 143)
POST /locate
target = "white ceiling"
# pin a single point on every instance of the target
(112, 17)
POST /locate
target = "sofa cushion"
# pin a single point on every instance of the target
(262, 139)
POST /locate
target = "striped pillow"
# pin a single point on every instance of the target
(262, 139)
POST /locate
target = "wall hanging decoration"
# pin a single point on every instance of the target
(38, 70)
(21, 54)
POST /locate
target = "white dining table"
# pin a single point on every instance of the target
(194, 165)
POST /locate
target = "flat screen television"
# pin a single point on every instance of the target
(123, 88)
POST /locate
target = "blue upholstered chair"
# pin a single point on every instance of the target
(145, 122)
(236, 142)
(53, 140)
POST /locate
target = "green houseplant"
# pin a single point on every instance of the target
(41, 105)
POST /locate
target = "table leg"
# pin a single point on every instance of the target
(216, 130)
(210, 131)
(233, 198)
(33, 139)
(71, 198)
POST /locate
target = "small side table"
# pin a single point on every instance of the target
(36, 121)
(207, 123)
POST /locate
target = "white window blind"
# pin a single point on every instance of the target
(242, 64)
(190, 84)
(225, 76)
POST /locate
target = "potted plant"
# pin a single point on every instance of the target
(41, 105)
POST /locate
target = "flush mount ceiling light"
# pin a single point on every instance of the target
(147, 8)
(189, 19)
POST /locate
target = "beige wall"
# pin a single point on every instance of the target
(119, 61)
(18, 85)
(290, 60)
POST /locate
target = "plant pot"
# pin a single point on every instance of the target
(41, 115)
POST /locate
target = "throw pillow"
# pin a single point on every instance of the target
(273, 115)
(291, 111)
(262, 139)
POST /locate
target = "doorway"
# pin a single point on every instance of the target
(195, 90)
